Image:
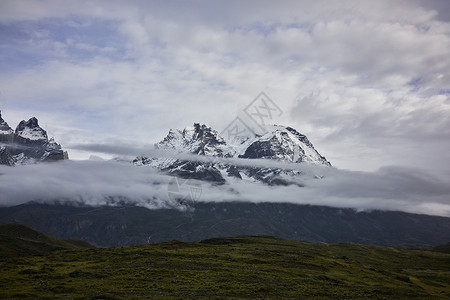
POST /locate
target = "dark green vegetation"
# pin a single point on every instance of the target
(443, 248)
(131, 225)
(241, 267)
(20, 240)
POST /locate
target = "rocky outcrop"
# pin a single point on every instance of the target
(29, 143)
(6, 132)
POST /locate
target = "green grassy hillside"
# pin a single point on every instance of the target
(240, 267)
(21, 240)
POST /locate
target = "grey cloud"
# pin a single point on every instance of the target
(150, 151)
(130, 150)
(395, 128)
(91, 183)
(111, 183)
(441, 8)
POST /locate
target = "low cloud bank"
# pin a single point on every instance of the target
(115, 183)
(129, 151)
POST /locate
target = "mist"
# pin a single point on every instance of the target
(98, 183)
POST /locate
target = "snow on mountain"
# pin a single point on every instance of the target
(199, 139)
(5, 157)
(53, 151)
(280, 143)
(285, 144)
(196, 140)
(27, 144)
(6, 132)
(30, 131)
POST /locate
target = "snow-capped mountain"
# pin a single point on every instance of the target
(280, 143)
(30, 132)
(6, 132)
(199, 139)
(29, 143)
(285, 144)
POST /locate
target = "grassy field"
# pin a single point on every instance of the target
(240, 267)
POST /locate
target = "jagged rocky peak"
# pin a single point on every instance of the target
(4, 127)
(29, 132)
(278, 143)
(204, 134)
(6, 132)
(198, 139)
(29, 143)
(286, 144)
(53, 151)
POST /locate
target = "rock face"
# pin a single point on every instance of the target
(199, 139)
(5, 157)
(280, 143)
(286, 144)
(29, 143)
(6, 132)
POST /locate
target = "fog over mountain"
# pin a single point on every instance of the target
(113, 183)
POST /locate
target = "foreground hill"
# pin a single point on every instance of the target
(239, 267)
(132, 225)
(21, 240)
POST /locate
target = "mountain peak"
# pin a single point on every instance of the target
(30, 131)
(29, 143)
(278, 143)
(198, 139)
(282, 143)
(285, 144)
(31, 123)
(206, 134)
(4, 127)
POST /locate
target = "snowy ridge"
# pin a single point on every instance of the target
(33, 134)
(4, 127)
(30, 130)
(280, 143)
(28, 144)
(284, 144)
(198, 139)
(4, 130)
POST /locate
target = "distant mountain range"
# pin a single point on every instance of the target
(279, 143)
(29, 143)
(132, 225)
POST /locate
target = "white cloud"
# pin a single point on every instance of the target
(111, 183)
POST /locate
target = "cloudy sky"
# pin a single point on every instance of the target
(367, 81)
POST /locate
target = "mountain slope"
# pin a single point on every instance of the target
(20, 240)
(233, 267)
(131, 225)
(285, 144)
